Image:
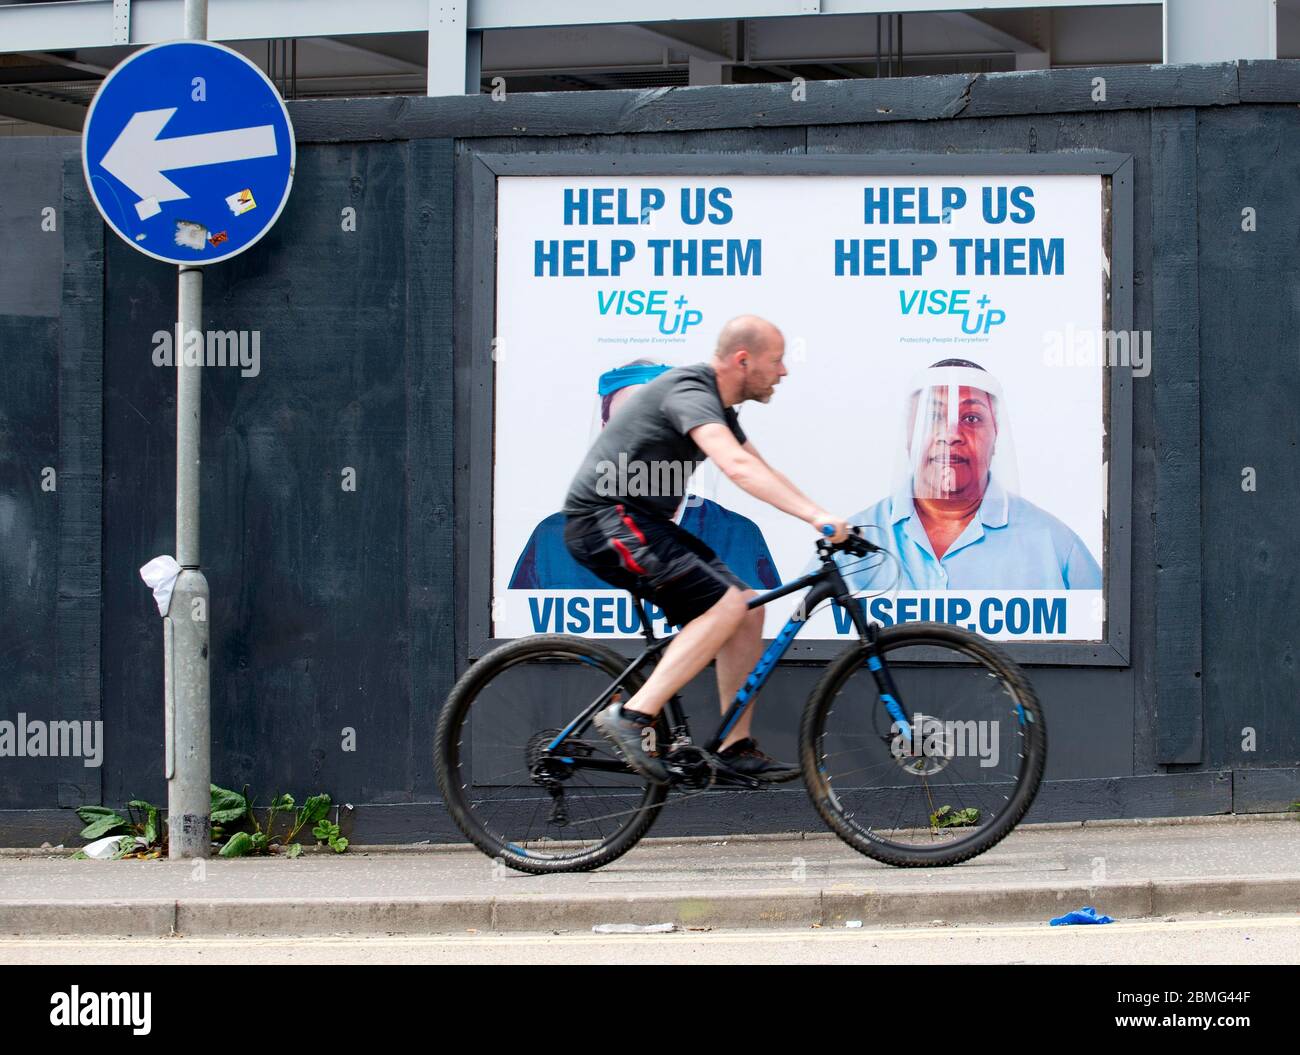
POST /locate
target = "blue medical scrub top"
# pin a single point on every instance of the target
(1011, 544)
(546, 563)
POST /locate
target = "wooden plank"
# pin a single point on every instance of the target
(1249, 318)
(1178, 794)
(767, 105)
(1266, 790)
(1269, 81)
(80, 476)
(644, 110)
(35, 432)
(1177, 378)
(430, 599)
(464, 320)
(1125, 88)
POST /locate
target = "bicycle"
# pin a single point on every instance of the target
(516, 759)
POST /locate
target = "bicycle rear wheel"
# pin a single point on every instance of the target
(954, 789)
(538, 810)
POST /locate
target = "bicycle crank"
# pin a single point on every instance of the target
(696, 767)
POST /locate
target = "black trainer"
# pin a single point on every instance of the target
(745, 757)
(630, 741)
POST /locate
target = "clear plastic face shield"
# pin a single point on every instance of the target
(956, 436)
(615, 389)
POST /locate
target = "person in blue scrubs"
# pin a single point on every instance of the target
(545, 562)
(956, 521)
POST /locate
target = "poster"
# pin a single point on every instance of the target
(873, 280)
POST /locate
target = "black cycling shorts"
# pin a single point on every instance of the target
(651, 558)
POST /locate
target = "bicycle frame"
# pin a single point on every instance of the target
(824, 584)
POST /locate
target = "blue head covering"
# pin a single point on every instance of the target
(621, 377)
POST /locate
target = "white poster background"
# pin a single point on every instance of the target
(834, 424)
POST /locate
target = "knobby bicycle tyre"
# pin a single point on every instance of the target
(841, 817)
(456, 783)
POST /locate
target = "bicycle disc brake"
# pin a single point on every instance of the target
(927, 753)
(545, 765)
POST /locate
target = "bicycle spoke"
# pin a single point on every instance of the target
(541, 808)
(903, 805)
(527, 831)
(502, 800)
(952, 701)
(888, 763)
(593, 819)
(984, 811)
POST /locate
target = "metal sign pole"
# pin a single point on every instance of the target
(188, 153)
(185, 629)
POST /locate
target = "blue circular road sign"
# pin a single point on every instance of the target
(188, 152)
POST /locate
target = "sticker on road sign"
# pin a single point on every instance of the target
(172, 131)
(240, 203)
(191, 234)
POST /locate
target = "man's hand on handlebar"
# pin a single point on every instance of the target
(839, 526)
(851, 540)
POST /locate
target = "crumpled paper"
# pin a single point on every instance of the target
(104, 849)
(160, 575)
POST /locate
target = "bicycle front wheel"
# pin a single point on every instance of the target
(959, 783)
(533, 807)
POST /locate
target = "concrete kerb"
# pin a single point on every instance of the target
(749, 909)
(99, 918)
(320, 917)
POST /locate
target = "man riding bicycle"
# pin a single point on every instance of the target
(623, 531)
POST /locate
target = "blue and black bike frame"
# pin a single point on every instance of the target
(824, 584)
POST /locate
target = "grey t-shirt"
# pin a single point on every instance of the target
(645, 456)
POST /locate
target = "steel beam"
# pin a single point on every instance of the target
(72, 24)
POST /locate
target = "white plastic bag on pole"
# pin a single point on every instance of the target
(160, 576)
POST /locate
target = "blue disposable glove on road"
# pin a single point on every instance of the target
(1087, 914)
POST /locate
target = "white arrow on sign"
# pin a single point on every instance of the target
(139, 158)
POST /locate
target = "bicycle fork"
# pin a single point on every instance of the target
(885, 687)
(868, 633)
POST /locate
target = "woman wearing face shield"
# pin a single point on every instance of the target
(955, 519)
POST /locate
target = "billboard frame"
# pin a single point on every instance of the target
(476, 385)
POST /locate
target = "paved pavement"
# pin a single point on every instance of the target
(1128, 870)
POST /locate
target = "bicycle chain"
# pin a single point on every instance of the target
(682, 796)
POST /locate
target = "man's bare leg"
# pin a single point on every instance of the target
(735, 660)
(691, 650)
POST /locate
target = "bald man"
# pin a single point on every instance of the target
(622, 530)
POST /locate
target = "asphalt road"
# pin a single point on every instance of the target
(1224, 938)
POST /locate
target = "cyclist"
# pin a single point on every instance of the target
(618, 524)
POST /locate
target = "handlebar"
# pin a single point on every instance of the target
(854, 544)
